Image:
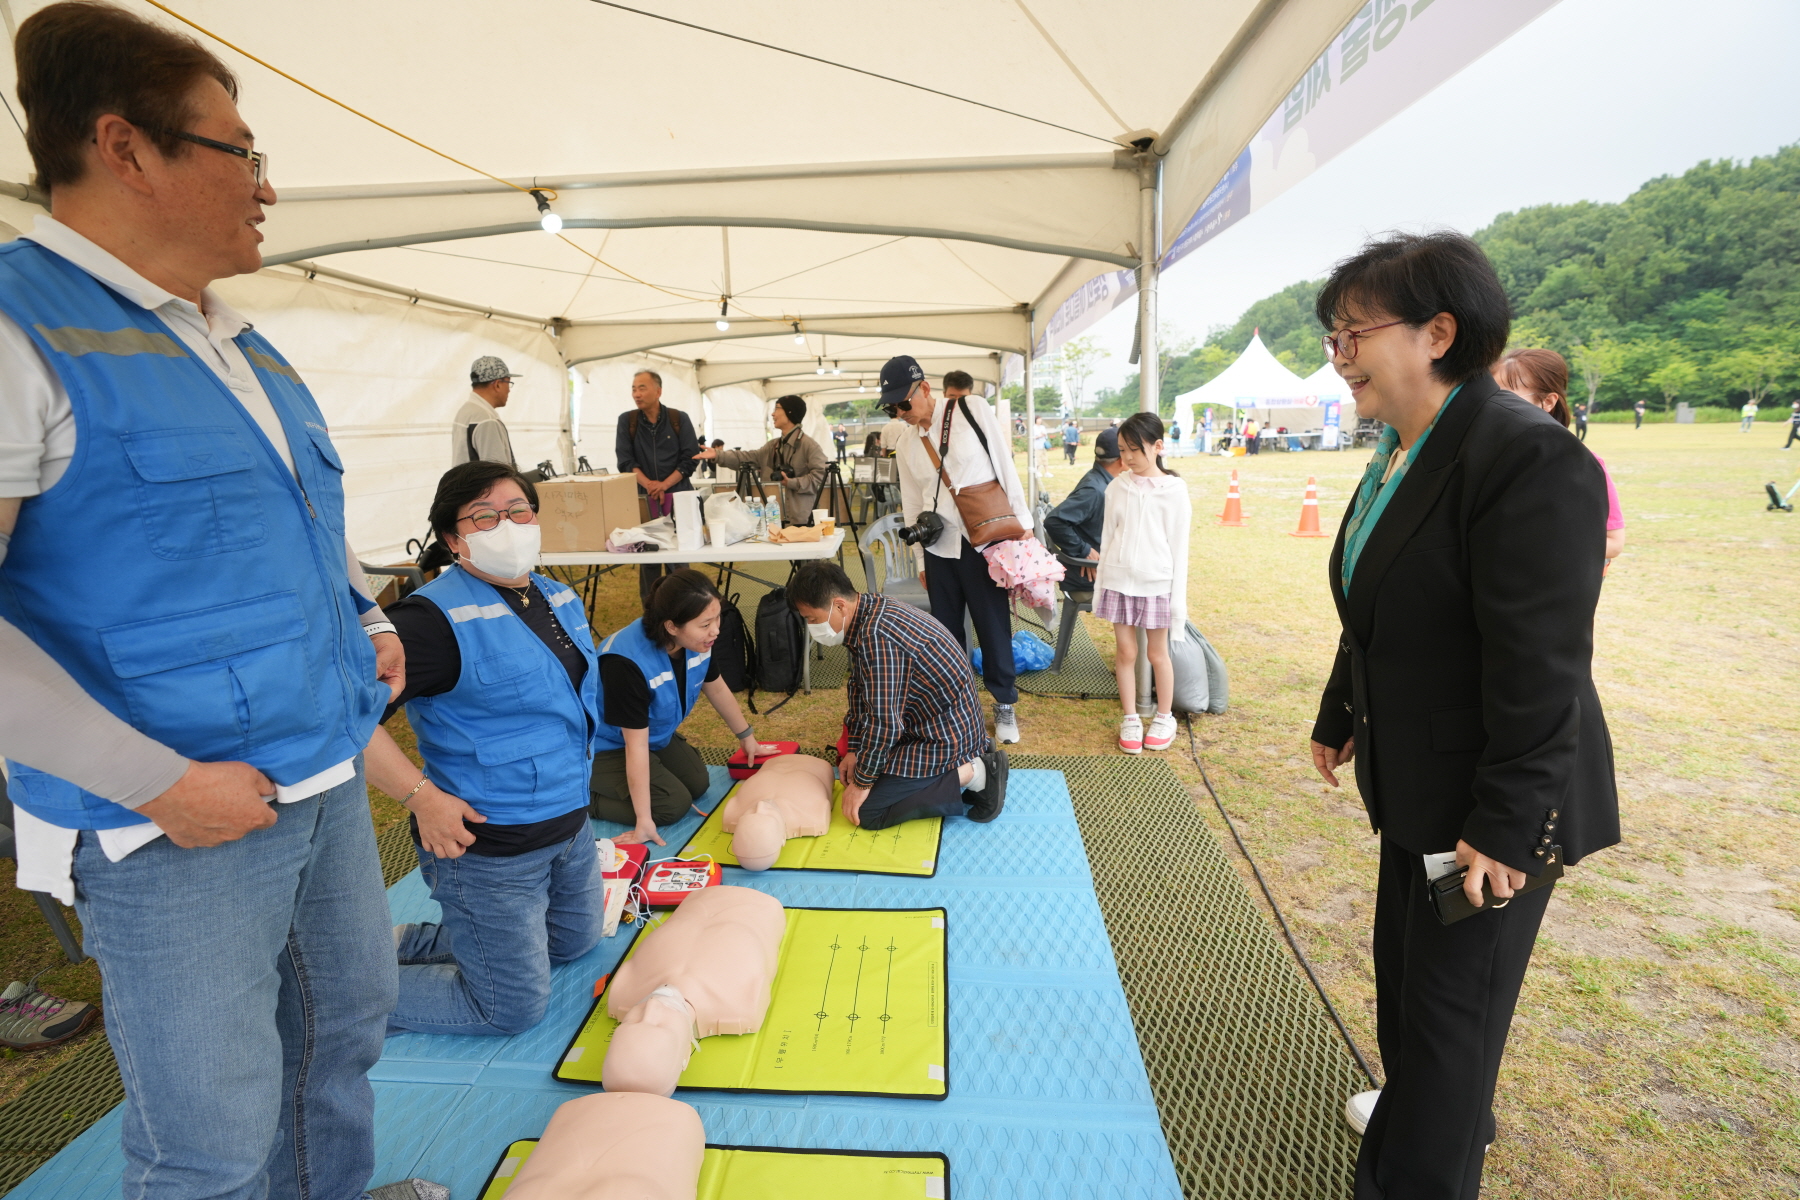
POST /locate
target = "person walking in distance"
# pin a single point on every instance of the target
(1581, 411)
(1748, 413)
(1141, 582)
(1793, 426)
(1071, 438)
(1638, 415)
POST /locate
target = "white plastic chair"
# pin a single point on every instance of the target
(898, 579)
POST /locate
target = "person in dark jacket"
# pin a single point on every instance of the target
(657, 444)
(1465, 575)
(1075, 524)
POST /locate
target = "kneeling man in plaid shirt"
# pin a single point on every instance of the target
(917, 744)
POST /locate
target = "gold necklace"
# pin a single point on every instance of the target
(524, 594)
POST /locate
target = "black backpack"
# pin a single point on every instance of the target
(780, 642)
(735, 652)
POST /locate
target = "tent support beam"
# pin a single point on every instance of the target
(423, 237)
(1149, 202)
(1031, 475)
(312, 268)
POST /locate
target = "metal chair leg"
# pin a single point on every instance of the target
(1070, 610)
(59, 925)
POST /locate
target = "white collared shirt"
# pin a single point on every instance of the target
(966, 463)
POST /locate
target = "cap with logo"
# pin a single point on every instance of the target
(487, 369)
(1106, 445)
(898, 375)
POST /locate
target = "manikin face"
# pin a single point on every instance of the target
(1392, 366)
(699, 634)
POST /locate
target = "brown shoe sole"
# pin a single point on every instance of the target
(87, 1023)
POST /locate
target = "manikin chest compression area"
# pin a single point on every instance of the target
(706, 970)
(788, 797)
(616, 1146)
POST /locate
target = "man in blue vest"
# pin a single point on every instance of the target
(183, 734)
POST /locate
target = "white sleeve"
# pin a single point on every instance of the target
(34, 409)
(1108, 537)
(912, 493)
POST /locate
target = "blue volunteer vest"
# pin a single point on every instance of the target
(512, 737)
(667, 711)
(217, 617)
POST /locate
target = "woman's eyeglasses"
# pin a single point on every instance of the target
(520, 513)
(1342, 344)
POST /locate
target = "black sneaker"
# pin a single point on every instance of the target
(992, 798)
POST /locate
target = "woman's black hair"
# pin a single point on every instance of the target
(1143, 430)
(794, 407)
(679, 597)
(1412, 277)
(471, 481)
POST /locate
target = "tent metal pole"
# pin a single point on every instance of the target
(1031, 475)
(1149, 244)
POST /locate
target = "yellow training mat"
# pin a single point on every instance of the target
(857, 1009)
(772, 1173)
(910, 848)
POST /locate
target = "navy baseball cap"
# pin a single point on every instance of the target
(898, 375)
(1106, 445)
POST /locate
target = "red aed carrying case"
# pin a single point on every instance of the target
(673, 880)
(764, 751)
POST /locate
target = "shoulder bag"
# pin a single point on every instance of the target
(985, 508)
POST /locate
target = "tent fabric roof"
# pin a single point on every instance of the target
(1326, 384)
(1255, 375)
(879, 217)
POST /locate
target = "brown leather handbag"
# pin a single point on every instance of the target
(985, 508)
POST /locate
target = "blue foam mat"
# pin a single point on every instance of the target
(1048, 1093)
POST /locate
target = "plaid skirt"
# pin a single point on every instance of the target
(1145, 612)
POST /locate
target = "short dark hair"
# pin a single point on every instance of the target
(471, 481)
(816, 584)
(679, 597)
(959, 379)
(718, 442)
(794, 407)
(1413, 277)
(656, 375)
(78, 61)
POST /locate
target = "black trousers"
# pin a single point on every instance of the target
(1793, 433)
(1444, 998)
(898, 798)
(1581, 430)
(958, 584)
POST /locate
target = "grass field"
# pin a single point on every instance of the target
(1657, 1045)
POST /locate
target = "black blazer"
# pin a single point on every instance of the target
(1463, 670)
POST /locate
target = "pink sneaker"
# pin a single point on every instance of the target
(1131, 734)
(1162, 732)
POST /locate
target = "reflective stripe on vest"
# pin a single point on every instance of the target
(227, 629)
(513, 737)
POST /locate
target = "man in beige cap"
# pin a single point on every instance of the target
(478, 432)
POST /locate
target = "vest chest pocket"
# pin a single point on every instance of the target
(220, 683)
(326, 484)
(197, 491)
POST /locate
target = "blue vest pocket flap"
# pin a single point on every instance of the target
(171, 455)
(497, 668)
(186, 639)
(543, 739)
(327, 451)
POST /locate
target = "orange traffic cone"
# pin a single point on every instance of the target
(1309, 512)
(1234, 507)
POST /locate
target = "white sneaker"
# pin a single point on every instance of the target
(1131, 734)
(1006, 724)
(1161, 734)
(1359, 1108)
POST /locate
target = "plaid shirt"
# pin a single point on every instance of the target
(913, 707)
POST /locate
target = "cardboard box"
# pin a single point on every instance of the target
(579, 512)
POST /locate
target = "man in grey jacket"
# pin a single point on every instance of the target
(790, 458)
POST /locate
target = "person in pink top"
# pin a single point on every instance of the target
(1542, 377)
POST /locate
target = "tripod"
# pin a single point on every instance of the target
(836, 494)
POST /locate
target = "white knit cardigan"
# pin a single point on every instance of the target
(1144, 543)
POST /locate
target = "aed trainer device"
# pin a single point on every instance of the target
(668, 883)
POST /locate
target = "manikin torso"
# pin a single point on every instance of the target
(704, 971)
(788, 797)
(616, 1146)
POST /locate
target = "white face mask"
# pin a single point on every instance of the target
(506, 551)
(824, 634)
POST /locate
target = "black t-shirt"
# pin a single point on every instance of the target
(625, 694)
(433, 667)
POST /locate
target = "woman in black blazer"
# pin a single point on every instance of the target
(1465, 574)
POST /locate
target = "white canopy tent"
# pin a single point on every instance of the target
(745, 155)
(1255, 380)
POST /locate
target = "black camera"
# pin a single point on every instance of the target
(923, 532)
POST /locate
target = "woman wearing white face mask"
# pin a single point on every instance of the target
(503, 692)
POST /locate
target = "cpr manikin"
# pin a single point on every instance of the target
(788, 797)
(705, 970)
(615, 1146)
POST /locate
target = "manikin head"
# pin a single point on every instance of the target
(651, 1046)
(761, 833)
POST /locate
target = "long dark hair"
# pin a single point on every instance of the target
(1143, 430)
(680, 597)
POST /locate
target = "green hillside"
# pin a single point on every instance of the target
(1689, 290)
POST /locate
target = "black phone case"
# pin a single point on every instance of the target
(1451, 903)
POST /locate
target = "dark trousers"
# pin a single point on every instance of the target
(1444, 997)
(956, 584)
(1581, 430)
(896, 798)
(678, 777)
(1069, 451)
(1793, 433)
(1252, 444)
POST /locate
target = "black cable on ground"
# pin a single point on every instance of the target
(1280, 919)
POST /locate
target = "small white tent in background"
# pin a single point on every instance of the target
(1255, 381)
(1326, 387)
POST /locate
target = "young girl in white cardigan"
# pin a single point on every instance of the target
(1141, 582)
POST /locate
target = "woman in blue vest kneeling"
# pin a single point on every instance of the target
(502, 690)
(652, 673)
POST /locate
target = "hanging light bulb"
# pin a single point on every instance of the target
(861, 388)
(722, 324)
(835, 369)
(799, 338)
(821, 368)
(548, 220)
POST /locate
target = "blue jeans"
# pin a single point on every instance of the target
(246, 986)
(486, 969)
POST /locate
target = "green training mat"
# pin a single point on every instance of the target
(772, 1173)
(910, 848)
(857, 1009)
